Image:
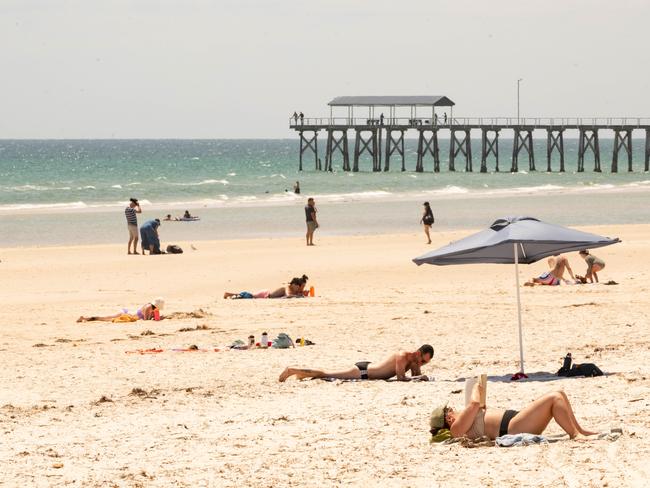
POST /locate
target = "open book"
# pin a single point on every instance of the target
(469, 387)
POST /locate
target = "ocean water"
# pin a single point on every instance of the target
(61, 192)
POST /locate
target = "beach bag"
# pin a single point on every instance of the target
(174, 249)
(282, 341)
(584, 369)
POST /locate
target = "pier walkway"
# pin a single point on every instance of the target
(369, 131)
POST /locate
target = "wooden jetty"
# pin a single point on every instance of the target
(371, 130)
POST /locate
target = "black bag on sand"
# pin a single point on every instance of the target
(174, 249)
(584, 369)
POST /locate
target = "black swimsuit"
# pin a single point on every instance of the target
(363, 368)
(505, 421)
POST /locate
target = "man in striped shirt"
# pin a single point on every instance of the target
(132, 224)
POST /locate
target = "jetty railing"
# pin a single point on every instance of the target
(475, 122)
(371, 131)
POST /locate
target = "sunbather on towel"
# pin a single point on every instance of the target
(396, 365)
(557, 266)
(474, 422)
(295, 288)
(145, 312)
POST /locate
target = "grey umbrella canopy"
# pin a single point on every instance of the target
(535, 240)
(514, 240)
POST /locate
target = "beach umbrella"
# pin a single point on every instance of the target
(514, 240)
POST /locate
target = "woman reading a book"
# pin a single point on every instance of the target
(475, 421)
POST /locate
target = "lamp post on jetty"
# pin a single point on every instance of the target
(518, 82)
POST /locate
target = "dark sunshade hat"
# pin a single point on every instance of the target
(134, 200)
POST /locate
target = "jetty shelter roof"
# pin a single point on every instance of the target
(387, 101)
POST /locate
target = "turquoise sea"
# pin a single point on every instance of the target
(73, 191)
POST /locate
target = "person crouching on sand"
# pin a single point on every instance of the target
(475, 422)
(145, 312)
(594, 265)
(397, 364)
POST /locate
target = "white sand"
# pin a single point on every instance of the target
(222, 419)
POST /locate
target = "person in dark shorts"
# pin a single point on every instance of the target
(132, 224)
(475, 422)
(312, 221)
(397, 364)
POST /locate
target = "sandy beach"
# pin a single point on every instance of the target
(77, 409)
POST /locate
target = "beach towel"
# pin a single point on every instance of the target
(282, 341)
(125, 317)
(441, 436)
(510, 440)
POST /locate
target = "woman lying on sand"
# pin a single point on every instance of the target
(475, 422)
(145, 312)
(295, 288)
(555, 275)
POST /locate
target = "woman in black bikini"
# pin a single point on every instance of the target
(427, 220)
(474, 422)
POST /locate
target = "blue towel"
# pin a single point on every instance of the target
(510, 440)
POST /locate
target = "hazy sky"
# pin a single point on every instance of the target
(239, 68)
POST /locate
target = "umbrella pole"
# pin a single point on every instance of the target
(521, 341)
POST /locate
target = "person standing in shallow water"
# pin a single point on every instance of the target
(427, 220)
(312, 222)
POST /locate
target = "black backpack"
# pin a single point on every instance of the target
(174, 249)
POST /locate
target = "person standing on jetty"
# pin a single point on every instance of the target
(132, 224)
(427, 220)
(312, 222)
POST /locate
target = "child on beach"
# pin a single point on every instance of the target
(145, 312)
(594, 265)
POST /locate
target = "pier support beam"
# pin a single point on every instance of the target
(523, 140)
(622, 140)
(647, 150)
(428, 145)
(366, 145)
(393, 145)
(588, 139)
(457, 146)
(489, 146)
(554, 140)
(309, 144)
(335, 143)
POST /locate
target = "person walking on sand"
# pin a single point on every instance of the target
(427, 220)
(132, 224)
(312, 222)
(594, 265)
(397, 364)
(296, 188)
